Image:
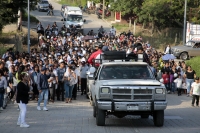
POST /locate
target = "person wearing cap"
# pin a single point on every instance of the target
(195, 91)
(83, 75)
(60, 71)
(43, 88)
(95, 55)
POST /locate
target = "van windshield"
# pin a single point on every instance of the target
(74, 18)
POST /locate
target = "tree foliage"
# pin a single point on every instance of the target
(158, 13)
(9, 10)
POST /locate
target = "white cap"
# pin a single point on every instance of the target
(61, 60)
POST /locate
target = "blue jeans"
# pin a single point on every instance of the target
(172, 86)
(45, 94)
(188, 84)
(66, 87)
(68, 90)
(1, 99)
(71, 90)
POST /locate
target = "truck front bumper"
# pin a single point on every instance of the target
(132, 106)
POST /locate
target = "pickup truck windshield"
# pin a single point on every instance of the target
(109, 72)
(74, 18)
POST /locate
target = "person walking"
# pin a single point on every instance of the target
(22, 98)
(3, 87)
(77, 72)
(34, 76)
(190, 74)
(83, 75)
(179, 82)
(60, 71)
(43, 88)
(195, 92)
(69, 81)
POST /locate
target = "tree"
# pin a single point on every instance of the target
(9, 10)
(127, 6)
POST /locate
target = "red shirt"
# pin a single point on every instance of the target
(165, 78)
(93, 56)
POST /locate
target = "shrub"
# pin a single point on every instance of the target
(195, 64)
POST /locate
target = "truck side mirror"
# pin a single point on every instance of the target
(84, 20)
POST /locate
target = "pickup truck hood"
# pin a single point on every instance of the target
(183, 47)
(138, 82)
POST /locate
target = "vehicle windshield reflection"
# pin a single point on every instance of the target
(125, 72)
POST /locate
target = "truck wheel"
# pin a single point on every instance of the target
(184, 56)
(158, 118)
(144, 116)
(94, 110)
(100, 117)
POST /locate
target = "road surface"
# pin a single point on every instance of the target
(92, 22)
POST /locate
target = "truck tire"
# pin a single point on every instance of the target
(184, 56)
(94, 111)
(158, 118)
(144, 116)
(100, 117)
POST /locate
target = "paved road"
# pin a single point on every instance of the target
(76, 117)
(92, 22)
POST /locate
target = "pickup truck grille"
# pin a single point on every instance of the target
(126, 97)
(122, 91)
(131, 94)
(142, 91)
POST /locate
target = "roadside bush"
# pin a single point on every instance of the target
(32, 18)
(195, 64)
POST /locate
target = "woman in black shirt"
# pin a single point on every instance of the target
(189, 75)
(22, 98)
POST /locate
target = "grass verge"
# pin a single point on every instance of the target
(195, 64)
(73, 2)
(32, 18)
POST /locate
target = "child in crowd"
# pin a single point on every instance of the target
(165, 78)
(195, 92)
(179, 82)
(171, 82)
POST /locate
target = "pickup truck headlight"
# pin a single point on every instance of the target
(160, 91)
(105, 90)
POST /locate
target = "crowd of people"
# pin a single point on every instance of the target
(57, 69)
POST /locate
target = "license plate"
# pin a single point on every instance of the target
(132, 107)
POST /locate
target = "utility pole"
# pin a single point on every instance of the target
(28, 40)
(184, 29)
(103, 11)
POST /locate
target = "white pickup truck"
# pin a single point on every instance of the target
(127, 88)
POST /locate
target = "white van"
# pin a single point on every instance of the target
(73, 16)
